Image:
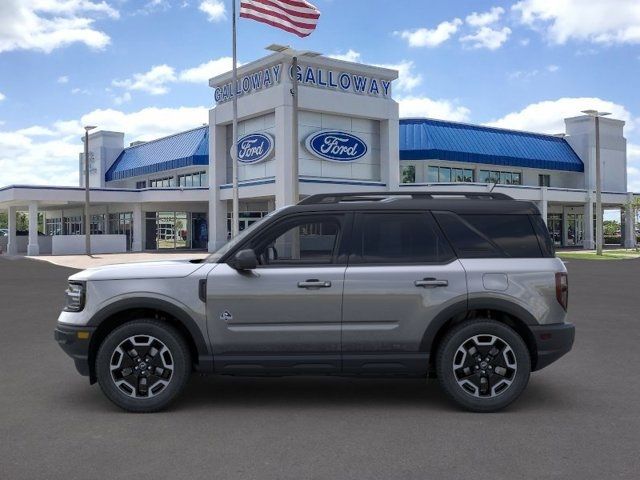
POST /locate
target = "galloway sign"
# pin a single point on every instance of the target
(255, 147)
(262, 79)
(312, 76)
(336, 146)
(342, 81)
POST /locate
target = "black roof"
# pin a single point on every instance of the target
(457, 202)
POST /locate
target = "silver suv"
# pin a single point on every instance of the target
(465, 287)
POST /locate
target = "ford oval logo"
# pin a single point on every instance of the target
(255, 147)
(336, 146)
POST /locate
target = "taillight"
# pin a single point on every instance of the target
(562, 289)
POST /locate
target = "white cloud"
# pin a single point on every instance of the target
(526, 75)
(154, 81)
(82, 91)
(45, 25)
(486, 18)
(214, 9)
(407, 78)
(423, 37)
(2, 96)
(203, 72)
(49, 154)
(349, 56)
(124, 98)
(548, 116)
(415, 106)
(597, 21)
(63, 79)
(488, 38)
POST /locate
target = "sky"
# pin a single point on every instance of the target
(142, 66)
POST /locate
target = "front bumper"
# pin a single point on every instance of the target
(552, 342)
(75, 342)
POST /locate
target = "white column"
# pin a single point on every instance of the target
(32, 247)
(630, 224)
(542, 204)
(589, 242)
(565, 227)
(390, 151)
(12, 246)
(218, 152)
(136, 244)
(284, 157)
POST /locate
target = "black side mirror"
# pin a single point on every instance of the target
(244, 260)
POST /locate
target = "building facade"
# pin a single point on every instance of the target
(175, 193)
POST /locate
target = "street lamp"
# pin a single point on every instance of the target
(596, 114)
(294, 54)
(87, 217)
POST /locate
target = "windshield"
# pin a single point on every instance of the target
(231, 244)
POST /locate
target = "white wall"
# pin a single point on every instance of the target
(105, 147)
(613, 147)
(75, 244)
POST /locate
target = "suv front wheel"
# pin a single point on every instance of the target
(483, 365)
(143, 365)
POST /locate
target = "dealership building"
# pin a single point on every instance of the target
(175, 193)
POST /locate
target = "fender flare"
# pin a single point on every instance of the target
(202, 346)
(461, 308)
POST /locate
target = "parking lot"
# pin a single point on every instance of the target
(579, 418)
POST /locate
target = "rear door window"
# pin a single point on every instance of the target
(399, 238)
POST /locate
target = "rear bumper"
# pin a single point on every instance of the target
(552, 342)
(74, 345)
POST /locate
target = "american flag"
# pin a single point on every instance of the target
(295, 16)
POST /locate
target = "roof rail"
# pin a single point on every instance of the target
(379, 196)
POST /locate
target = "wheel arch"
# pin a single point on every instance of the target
(123, 311)
(503, 311)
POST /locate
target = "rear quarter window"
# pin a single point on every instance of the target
(491, 235)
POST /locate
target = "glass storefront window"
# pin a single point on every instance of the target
(175, 230)
(444, 175)
(432, 174)
(408, 174)
(122, 224)
(503, 178)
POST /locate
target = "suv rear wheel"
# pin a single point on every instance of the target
(143, 365)
(483, 365)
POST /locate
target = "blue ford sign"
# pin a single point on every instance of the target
(336, 146)
(255, 147)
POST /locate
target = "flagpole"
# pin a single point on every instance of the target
(235, 220)
(294, 133)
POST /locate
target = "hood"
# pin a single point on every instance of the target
(131, 271)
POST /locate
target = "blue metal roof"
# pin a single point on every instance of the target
(427, 139)
(180, 150)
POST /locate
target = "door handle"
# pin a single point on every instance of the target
(431, 283)
(314, 283)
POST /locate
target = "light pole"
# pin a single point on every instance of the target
(596, 114)
(294, 54)
(87, 217)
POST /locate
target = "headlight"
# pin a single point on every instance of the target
(75, 297)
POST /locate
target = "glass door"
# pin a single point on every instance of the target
(554, 225)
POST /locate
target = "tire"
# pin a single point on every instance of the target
(154, 348)
(461, 369)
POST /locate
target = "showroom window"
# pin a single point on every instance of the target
(497, 176)
(544, 180)
(196, 179)
(408, 174)
(162, 182)
(142, 184)
(447, 174)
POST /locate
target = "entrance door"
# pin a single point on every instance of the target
(286, 313)
(401, 273)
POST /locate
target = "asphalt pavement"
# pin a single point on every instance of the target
(578, 418)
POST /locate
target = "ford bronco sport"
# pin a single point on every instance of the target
(465, 287)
